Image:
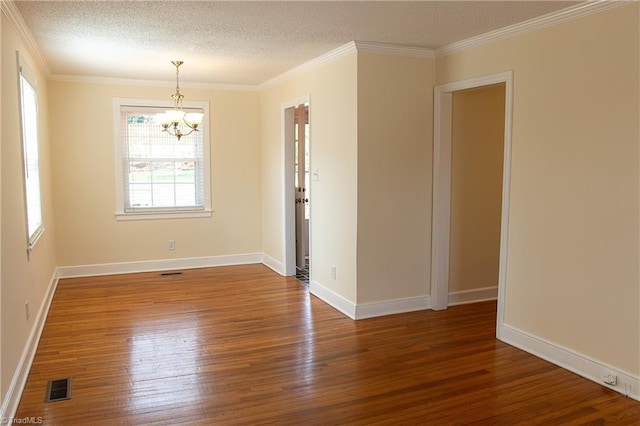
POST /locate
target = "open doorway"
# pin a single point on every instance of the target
(296, 189)
(477, 142)
(302, 185)
(442, 187)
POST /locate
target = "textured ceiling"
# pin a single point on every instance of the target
(245, 42)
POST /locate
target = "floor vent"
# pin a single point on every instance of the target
(164, 274)
(58, 390)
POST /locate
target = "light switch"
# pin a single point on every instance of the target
(315, 174)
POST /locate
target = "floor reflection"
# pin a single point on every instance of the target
(164, 361)
(306, 345)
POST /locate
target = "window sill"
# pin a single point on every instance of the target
(164, 215)
(33, 242)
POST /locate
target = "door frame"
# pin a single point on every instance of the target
(440, 232)
(288, 190)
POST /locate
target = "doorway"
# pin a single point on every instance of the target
(296, 189)
(442, 187)
(302, 185)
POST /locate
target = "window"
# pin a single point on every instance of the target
(158, 176)
(31, 162)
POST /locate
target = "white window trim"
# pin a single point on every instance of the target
(178, 213)
(24, 71)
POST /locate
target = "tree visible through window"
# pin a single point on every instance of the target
(159, 173)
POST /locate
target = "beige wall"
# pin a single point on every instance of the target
(395, 116)
(333, 133)
(573, 249)
(574, 233)
(477, 141)
(85, 185)
(374, 160)
(22, 279)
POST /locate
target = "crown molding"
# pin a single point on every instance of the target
(13, 15)
(347, 49)
(149, 83)
(394, 49)
(554, 18)
(344, 50)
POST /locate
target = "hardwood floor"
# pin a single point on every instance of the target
(242, 345)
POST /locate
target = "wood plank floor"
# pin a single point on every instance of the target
(242, 345)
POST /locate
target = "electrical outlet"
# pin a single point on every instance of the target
(171, 245)
(26, 309)
(609, 377)
(333, 272)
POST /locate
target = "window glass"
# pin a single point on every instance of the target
(30, 151)
(158, 173)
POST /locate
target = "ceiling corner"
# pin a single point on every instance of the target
(553, 18)
(13, 15)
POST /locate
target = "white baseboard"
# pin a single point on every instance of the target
(158, 265)
(19, 379)
(583, 365)
(12, 398)
(333, 299)
(390, 307)
(273, 264)
(628, 384)
(473, 296)
(368, 310)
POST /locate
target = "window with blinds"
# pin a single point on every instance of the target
(160, 175)
(30, 152)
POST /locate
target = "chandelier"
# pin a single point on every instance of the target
(173, 118)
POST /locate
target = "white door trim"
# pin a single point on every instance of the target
(442, 186)
(288, 195)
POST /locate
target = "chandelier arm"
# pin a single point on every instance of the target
(189, 125)
(174, 130)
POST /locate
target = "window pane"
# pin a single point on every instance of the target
(140, 195)
(139, 172)
(186, 171)
(31, 160)
(163, 195)
(185, 194)
(161, 171)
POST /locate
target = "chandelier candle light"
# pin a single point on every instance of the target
(172, 118)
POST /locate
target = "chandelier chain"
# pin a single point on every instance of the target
(173, 118)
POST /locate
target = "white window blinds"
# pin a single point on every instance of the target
(30, 152)
(158, 173)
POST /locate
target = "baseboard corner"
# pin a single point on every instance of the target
(273, 264)
(333, 299)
